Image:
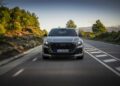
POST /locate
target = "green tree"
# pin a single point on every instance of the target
(4, 16)
(45, 32)
(16, 14)
(98, 27)
(17, 20)
(71, 24)
(2, 29)
(17, 26)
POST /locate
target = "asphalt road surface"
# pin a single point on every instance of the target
(100, 67)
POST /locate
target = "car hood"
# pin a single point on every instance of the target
(63, 39)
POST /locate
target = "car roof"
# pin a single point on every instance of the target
(62, 28)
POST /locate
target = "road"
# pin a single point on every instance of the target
(100, 67)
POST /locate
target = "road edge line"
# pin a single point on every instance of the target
(108, 67)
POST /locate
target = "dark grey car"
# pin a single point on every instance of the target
(62, 42)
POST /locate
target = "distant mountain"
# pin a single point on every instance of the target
(86, 29)
(110, 29)
(116, 29)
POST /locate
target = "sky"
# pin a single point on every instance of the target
(55, 13)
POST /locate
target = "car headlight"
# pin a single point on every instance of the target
(46, 43)
(79, 43)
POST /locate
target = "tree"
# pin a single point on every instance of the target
(17, 20)
(45, 32)
(17, 26)
(2, 29)
(4, 16)
(71, 24)
(98, 27)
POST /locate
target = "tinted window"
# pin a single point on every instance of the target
(62, 32)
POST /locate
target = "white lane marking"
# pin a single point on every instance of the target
(95, 52)
(88, 48)
(118, 68)
(34, 59)
(110, 68)
(110, 60)
(111, 56)
(102, 55)
(18, 73)
(106, 53)
(91, 50)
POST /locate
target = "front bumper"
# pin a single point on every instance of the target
(53, 55)
(78, 51)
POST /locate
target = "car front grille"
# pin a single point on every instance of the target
(55, 46)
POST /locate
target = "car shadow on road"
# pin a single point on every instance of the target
(62, 59)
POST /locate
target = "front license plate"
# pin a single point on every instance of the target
(62, 50)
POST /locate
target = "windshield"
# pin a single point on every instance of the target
(62, 32)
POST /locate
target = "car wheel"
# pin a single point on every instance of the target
(45, 57)
(80, 57)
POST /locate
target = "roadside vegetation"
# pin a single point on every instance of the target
(19, 31)
(99, 32)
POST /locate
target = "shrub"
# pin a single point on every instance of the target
(2, 29)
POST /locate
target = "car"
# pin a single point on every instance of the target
(62, 42)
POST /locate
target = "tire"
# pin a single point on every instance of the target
(80, 57)
(45, 57)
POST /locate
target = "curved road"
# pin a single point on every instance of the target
(100, 67)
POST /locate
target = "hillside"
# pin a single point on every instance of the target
(19, 31)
